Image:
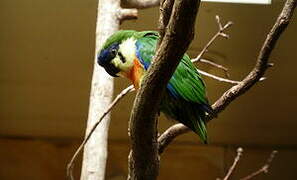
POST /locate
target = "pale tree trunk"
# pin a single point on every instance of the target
(109, 16)
(95, 151)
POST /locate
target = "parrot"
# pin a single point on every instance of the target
(129, 54)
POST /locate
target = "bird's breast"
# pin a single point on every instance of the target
(136, 73)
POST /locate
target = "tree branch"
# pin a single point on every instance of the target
(263, 169)
(218, 78)
(165, 13)
(127, 14)
(262, 61)
(170, 134)
(220, 32)
(141, 4)
(205, 61)
(70, 165)
(221, 29)
(254, 76)
(144, 159)
(232, 168)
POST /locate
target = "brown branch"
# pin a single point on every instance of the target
(253, 77)
(70, 165)
(262, 61)
(220, 32)
(168, 136)
(144, 159)
(165, 13)
(263, 169)
(232, 168)
(141, 4)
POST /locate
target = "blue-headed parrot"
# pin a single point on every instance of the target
(129, 54)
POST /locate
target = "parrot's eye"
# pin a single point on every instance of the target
(113, 52)
(122, 58)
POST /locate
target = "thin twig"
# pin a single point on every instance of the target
(263, 169)
(205, 61)
(236, 159)
(220, 32)
(70, 165)
(218, 78)
(224, 79)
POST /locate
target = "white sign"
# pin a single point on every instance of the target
(242, 1)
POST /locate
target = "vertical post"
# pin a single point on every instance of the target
(95, 151)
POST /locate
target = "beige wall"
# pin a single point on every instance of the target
(33, 159)
(46, 54)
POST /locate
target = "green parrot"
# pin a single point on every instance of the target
(129, 54)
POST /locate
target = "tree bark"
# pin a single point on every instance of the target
(144, 159)
(95, 151)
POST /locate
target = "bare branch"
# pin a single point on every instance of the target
(262, 61)
(220, 32)
(141, 4)
(168, 136)
(70, 165)
(127, 14)
(165, 13)
(223, 79)
(232, 168)
(205, 61)
(253, 77)
(218, 78)
(144, 159)
(263, 169)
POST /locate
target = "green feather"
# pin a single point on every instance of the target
(123, 35)
(118, 37)
(185, 100)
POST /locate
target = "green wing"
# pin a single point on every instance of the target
(185, 100)
(186, 82)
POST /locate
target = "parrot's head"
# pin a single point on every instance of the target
(118, 53)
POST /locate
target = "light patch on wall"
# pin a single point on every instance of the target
(242, 1)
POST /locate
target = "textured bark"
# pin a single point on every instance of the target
(95, 151)
(251, 79)
(143, 158)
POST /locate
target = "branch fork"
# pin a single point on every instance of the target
(249, 81)
(263, 169)
(221, 32)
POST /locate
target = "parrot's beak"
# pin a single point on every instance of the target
(111, 70)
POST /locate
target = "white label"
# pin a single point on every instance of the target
(241, 1)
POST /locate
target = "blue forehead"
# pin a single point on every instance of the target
(105, 55)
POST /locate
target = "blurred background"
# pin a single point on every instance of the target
(46, 59)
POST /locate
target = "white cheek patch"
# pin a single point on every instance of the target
(128, 51)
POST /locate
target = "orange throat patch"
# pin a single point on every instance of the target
(136, 73)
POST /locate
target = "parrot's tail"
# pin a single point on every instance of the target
(194, 118)
(198, 124)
